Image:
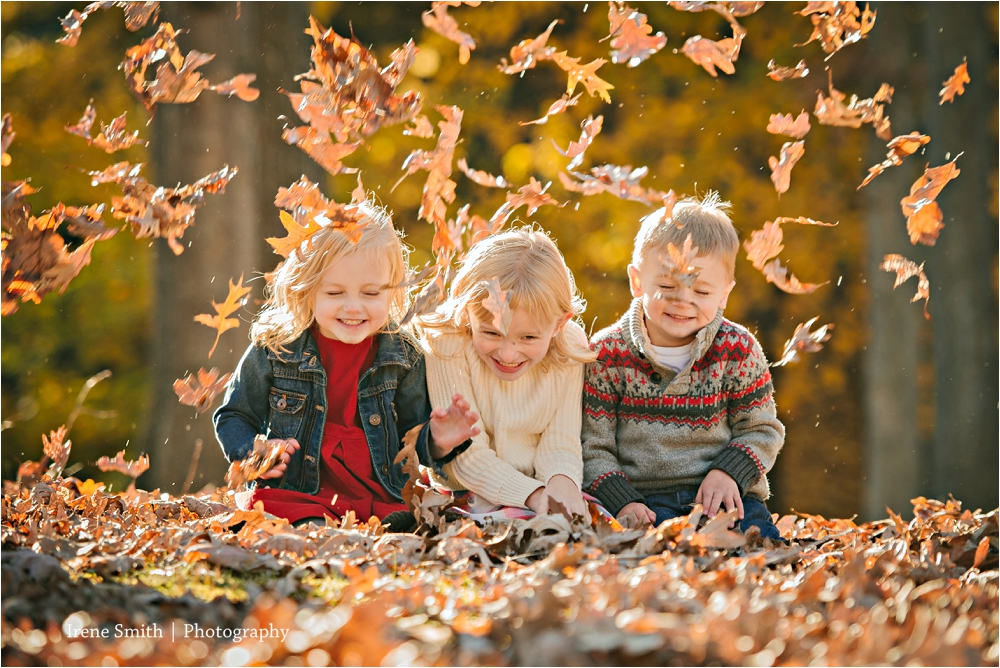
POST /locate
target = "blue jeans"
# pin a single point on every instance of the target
(675, 504)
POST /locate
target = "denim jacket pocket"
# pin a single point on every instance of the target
(286, 413)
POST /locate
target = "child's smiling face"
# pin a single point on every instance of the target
(675, 312)
(525, 345)
(352, 302)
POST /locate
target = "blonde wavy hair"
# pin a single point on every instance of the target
(292, 289)
(526, 262)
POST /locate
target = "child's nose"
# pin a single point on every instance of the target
(508, 353)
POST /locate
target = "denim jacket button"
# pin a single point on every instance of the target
(385, 469)
(375, 420)
(282, 403)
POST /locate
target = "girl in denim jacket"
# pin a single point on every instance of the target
(330, 374)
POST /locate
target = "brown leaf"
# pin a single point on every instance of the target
(7, 133)
(899, 148)
(585, 74)
(317, 145)
(57, 448)
(481, 177)
(132, 469)
(905, 269)
(239, 86)
(221, 321)
(557, 107)
(113, 137)
(532, 195)
(923, 215)
(982, 550)
(82, 127)
(802, 220)
(529, 52)
(775, 273)
(445, 25)
(833, 111)
(432, 293)
(407, 456)
(716, 533)
(439, 189)
(711, 54)
(497, 302)
(262, 458)
(421, 128)
(837, 24)
(680, 263)
(631, 38)
(137, 14)
(779, 73)
(620, 181)
(764, 244)
(955, 84)
(784, 124)
(781, 170)
(201, 391)
(804, 341)
(591, 127)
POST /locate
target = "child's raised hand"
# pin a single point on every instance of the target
(636, 514)
(278, 470)
(719, 489)
(452, 426)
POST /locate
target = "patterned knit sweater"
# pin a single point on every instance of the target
(648, 430)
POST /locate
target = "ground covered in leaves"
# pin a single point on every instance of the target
(192, 580)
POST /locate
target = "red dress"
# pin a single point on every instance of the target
(346, 480)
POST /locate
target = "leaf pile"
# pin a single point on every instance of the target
(539, 591)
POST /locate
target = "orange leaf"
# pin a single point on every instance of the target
(529, 52)
(445, 25)
(784, 124)
(631, 41)
(775, 273)
(585, 74)
(778, 73)
(557, 107)
(905, 269)
(955, 84)
(591, 128)
(481, 177)
(132, 469)
(221, 322)
(923, 221)
(781, 170)
(201, 391)
(804, 341)
(899, 148)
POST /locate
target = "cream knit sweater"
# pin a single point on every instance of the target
(530, 426)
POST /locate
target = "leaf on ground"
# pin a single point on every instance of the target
(784, 124)
(837, 24)
(716, 533)
(585, 74)
(528, 53)
(804, 341)
(631, 38)
(481, 177)
(440, 21)
(923, 215)
(775, 273)
(955, 84)
(779, 73)
(497, 302)
(781, 170)
(557, 107)
(221, 322)
(906, 269)
(200, 391)
(132, 469)
(590, 127)
(899, 148)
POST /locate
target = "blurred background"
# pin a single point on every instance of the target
(893, 407)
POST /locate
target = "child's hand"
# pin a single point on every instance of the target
(278, 470)
(718, 489)
(562, 489)
(636, 514)
(452, 426)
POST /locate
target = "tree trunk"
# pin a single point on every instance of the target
(227, 239)
(962, 266)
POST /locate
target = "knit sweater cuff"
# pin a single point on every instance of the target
(614, 492)
(738, 465)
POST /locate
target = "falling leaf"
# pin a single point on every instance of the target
(317, 145)
(764, 244)
(899, 148)
(432, 293)
(775, 273)
(955, 84)
(631, 38)
(804, 341)
(532, 195)
(591, 127)
(923, 215)
(906, 269)
(781, 170)
(585, 74)
(132, 469)
(784, 124)
(113, 137)
(201, 391)
(407, 455)
(57, 448)
(802, 220)
(137, 14)
(529, 52)
(680, 263)
(421, 128)
(779, 73)
(7, 133)
(497, 302)
(481, 177)
(221, 322)
(557, 107)
(238, 86)
(837, 24)
(440, 21)
(711, 54)
(82, 127)
(311, 211)
(439, 189)
(262, 458)
(620, 181)
(833, 111)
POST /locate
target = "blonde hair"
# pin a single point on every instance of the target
(526, 263)
(292, 288)
(705, 219)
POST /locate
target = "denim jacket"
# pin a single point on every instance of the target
(284, 396)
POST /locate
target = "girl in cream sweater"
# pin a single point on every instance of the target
(505, 340)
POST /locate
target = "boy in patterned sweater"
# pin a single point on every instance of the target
(678, 406)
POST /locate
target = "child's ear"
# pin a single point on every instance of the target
(725, 295)
(562, 321)
(634, 280)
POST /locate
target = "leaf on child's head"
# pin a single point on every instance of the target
(262, 458)
(955, 84)
(906, 269)
(132, 469)
(804, 341)
(497, 302)
(529, 52)
(200, 391)
(220, 321)
(778, 73)
(679, 263)
(781, 169)
(784, 124)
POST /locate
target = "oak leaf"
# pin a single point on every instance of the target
(82, 126)
(590, 127)
(764, 244)
(620, 181)
(132, 469)
(955, 84)
(532, 195)
(804, 341)
(407, 455)
(497, 302)
(837, 24)
(440, 21)
(631, 38)
(899, 148)
(680, 263)
(439, 189)
(56, 448)
(527, 53)
(775, 273)
(421, 128)
(779, 73)
(781, 170)
(317, 145)
(784, 124)
(200, 391)
(585, 74)
(834, 111)
(711, 54)
(221, 322)
(262, 458)
(906, 269)
(557, 107)
(239, 86)
(923, 215)
(137, 14)
(481, 177)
